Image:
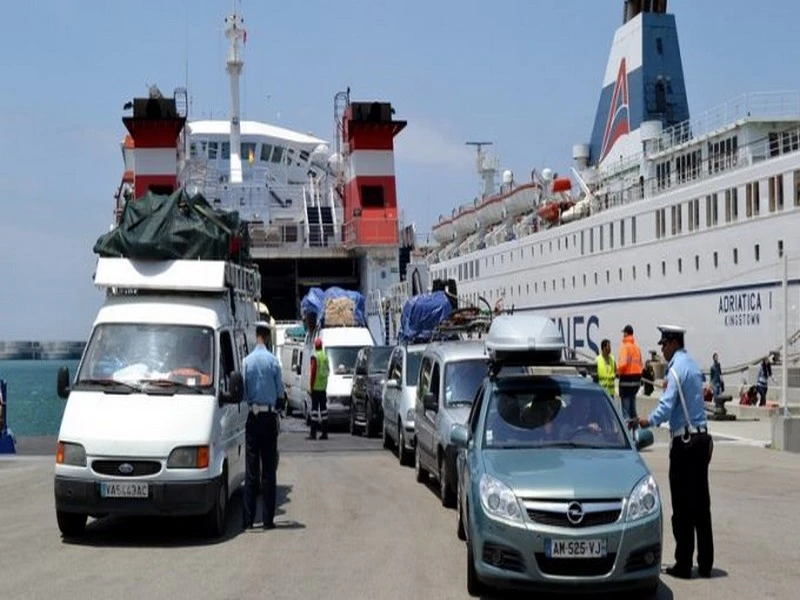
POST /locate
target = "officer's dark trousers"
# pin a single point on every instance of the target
(261, 455)
(319, 413)
(691, 501)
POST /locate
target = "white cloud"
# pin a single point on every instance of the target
(420, 143)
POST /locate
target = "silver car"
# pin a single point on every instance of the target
(398, 399)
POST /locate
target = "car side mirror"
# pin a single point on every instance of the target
(62, 382)
(235, 389)
(643, 438)
(430, 402)
(459, 436)
(393, 384)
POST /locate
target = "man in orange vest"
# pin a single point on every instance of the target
(629, 369)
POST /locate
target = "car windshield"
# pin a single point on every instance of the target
(379, 359)
(549, 412)
(461, 380)
(146, 355)
(342, 359)
(413, 359)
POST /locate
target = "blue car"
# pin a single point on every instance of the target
(552, 493)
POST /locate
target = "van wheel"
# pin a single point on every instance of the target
(419, 471)
(387, 441)
(71, 524)
(445, 493)
(403, 455)
(215, 519)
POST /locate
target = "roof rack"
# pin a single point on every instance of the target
(468, 321)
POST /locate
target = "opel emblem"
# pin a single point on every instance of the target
(575, 513)
(125, 468)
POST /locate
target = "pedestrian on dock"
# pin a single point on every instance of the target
(607, 368)
(629, 369)
(319, 385)
(715, 375)
(263, 392)
(690, 452)
(762, 382)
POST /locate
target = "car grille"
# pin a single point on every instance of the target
(584, 567)
(556, 513)
(138, 467)
(503, 558)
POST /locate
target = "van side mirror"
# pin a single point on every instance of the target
(235, 389)
(393, 384)
(643, 438)
(62, 382)
(459, 436)
(430, 402)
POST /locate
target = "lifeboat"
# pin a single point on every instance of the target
(443, 231)
(561, 184)
(465, 221)
(491, 211)
(522, 200)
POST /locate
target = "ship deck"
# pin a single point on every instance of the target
(354, 524)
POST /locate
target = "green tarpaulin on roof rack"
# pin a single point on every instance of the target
(176, 226)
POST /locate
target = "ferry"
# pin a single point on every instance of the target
(317, 216)
(663, 218)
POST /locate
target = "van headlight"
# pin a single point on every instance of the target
(498, 500)
(410, 415)
(188, 457)
(644, 499)
(68, 453)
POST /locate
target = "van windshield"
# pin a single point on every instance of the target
(379, 359)
(149, 355)
(342, 359)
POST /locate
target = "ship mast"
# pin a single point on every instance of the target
(487, 169)
(234, 31)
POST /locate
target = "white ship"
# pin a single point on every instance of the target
(318, 216)
(665, 218)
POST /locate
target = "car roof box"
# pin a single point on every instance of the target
(524, 340)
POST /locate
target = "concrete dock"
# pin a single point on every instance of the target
(352, 523)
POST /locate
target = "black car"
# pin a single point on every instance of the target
(370, 373)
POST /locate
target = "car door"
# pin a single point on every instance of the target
(467, 458)
(233, 416)
(390, 395)
(358, 392)
(423, 429)
(428, 453)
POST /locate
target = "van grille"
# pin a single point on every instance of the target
(137, 467)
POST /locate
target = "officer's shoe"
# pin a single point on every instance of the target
(704, 573)
(679, 572)
(311, 437)
(324, 436)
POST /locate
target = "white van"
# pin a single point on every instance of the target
(154, 422)
(290, 356)
(341, 345)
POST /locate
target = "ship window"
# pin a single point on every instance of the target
(584, 280)
(663, 267)
(563, 283)
(780, 248)
(633, 272)
(502, 258)
(751, 199)
(554, 285)
(212, 150)
(372, 196)
(535, 287)
(559, 243)
(522, 253)
(277, 155)
(225, 152)
(304, 155)
(731, 204)
(266, 151)
(600, 233)
(659, 45)
(574, 239)
(648, 270)
(566, 243)
(736, 256)
(622, 232)
(620, 273)
(633, 230)
(551, 245)
(573, 282)
(716, 260)
(797, 188)
(193, 150)
(527, 288)
(680, 265)
(608, 276)
(532, 247)
(611, 235)
(696, 262)
(591, 240)
(247, 149)
(595, 278)
(544, 286)
(757, 250)
(776, 193)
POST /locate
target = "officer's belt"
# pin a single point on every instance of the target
(262, 408)
(688, 431)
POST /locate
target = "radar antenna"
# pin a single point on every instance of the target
(487, 168)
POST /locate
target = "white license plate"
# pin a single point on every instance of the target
(123, 489)
(575, 548)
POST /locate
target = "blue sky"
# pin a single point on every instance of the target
(524, 74)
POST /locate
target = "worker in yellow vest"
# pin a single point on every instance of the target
(319, 385)
(606, 368)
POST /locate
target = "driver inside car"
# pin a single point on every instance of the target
(192, 364)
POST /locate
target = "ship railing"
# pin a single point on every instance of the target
(780, 105)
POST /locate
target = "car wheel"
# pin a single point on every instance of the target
(403, 455)
(419, 471)
(71, 524)
(215, 519)
(352, 419)
(387, 441)
(368, 426)
(475, 586)
(445, 493)
(462, 535)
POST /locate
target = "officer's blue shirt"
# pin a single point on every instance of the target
(669, 405)
(263, 383)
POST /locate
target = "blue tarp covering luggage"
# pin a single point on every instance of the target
(422, 315)
(314, 303)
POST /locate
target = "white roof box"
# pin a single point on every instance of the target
(524, 340)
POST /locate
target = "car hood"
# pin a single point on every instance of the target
(565, 473)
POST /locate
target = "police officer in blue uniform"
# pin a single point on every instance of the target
(690, 454)
(263, 392)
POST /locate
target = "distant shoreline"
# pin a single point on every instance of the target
(33, 350)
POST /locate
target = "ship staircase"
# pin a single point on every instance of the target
(320, 216)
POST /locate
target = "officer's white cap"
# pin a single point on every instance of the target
(262, 325)
(671, 332)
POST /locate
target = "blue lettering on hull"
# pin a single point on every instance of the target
(579, 331)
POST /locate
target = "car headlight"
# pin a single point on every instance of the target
(498, 500)
(644, 500)
(188, 457)
(68, 453)
(410, 415)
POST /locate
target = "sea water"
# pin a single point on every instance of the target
(33, 405)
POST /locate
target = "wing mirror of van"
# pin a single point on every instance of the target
(235, 389)
(430, 402)
(62, 382)
(393, 384)
(459, 436)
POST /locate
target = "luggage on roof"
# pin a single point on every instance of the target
(177, 226)
(333, 307)
(422, 315)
